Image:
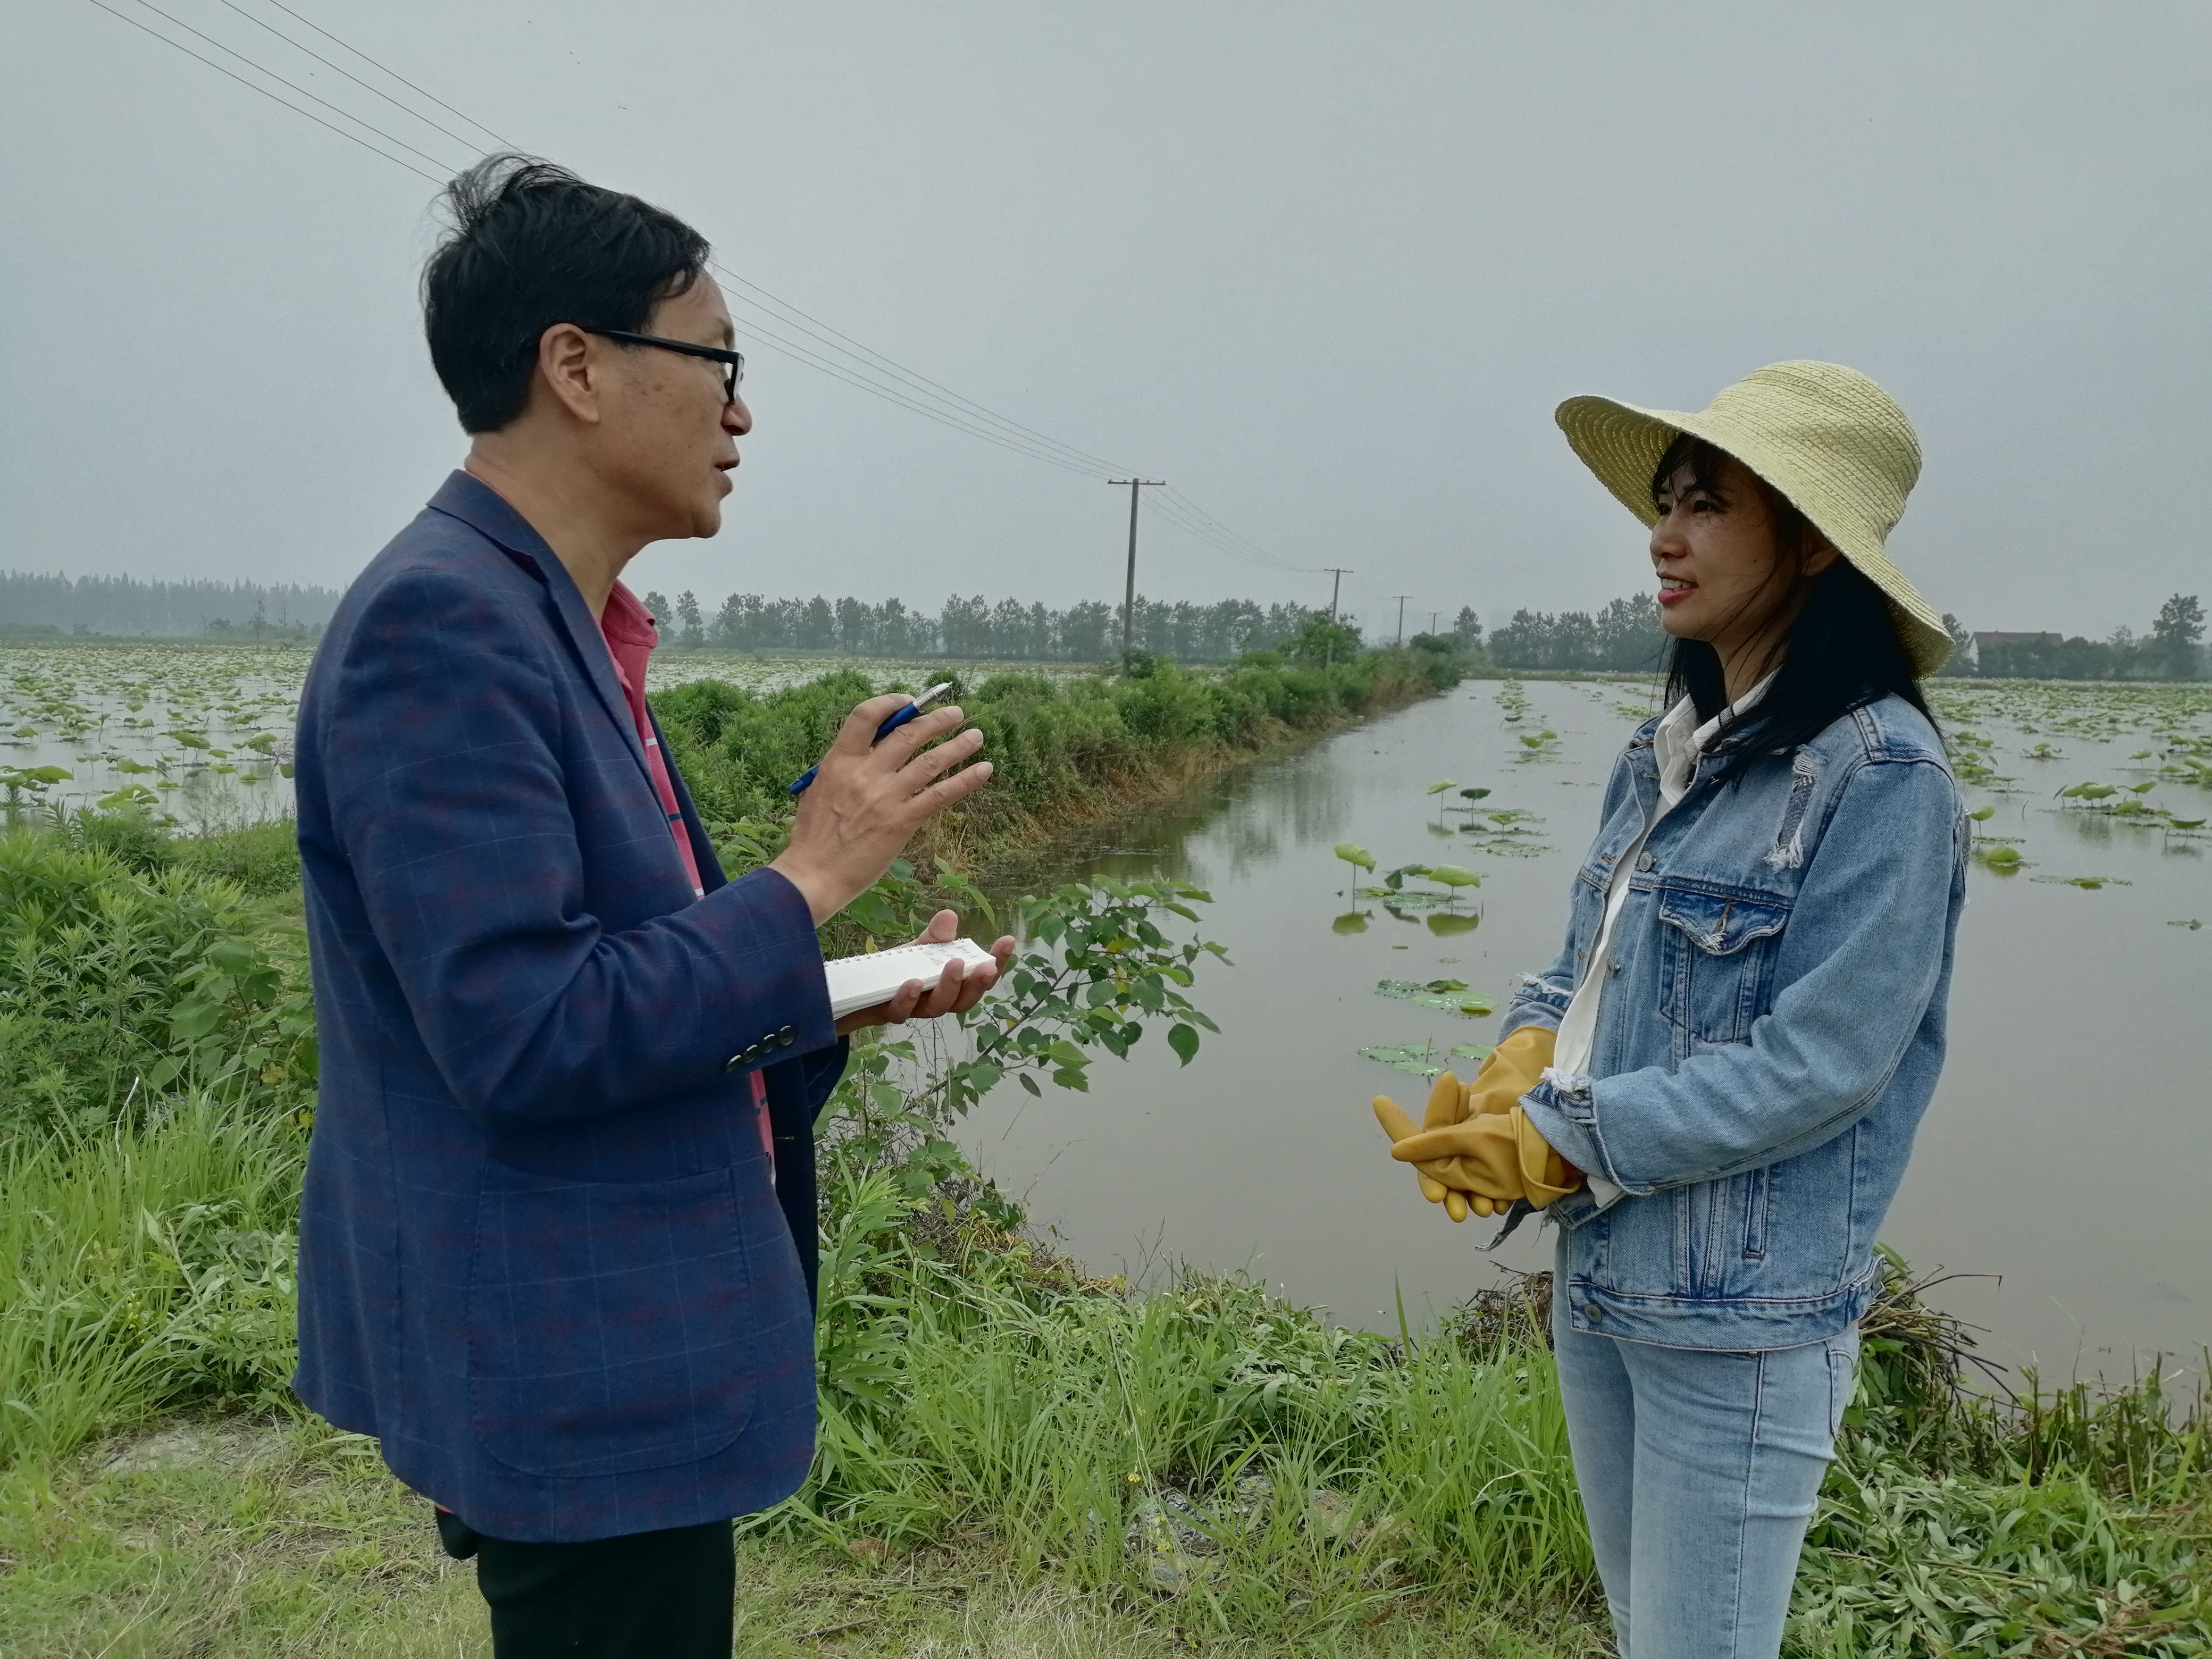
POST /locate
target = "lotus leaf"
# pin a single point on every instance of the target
(1459, 1001)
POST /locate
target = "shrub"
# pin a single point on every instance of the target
(117, 984)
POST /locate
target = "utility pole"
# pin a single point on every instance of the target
(1335, 587)
(1328, 653)
(1401, 598)
(1129, 587)
(1432, 621)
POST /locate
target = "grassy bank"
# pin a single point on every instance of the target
(1065, 752)
(1016, 1458)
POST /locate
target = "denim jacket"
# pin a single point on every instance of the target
(1772, 1035)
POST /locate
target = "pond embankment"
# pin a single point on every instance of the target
(1067, 753)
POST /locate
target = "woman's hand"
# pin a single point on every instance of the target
(958, 989)
(1492, 1156)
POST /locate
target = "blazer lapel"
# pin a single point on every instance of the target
(476, 504)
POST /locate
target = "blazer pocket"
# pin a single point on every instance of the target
(1718, 953)
(608, 1323)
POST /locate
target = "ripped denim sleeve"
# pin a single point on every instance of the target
(1564, 1109)
(1538, 999)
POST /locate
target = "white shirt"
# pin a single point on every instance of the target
(1677, 747)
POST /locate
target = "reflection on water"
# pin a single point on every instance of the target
(2064, 1152)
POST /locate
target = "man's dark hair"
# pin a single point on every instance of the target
(533, 245)
(1842, 652)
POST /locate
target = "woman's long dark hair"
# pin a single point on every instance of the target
(1842, 652)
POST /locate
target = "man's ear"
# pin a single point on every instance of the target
(568, 365)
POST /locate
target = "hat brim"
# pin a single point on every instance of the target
(1622, 445)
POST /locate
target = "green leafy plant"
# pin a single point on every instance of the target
(1096, 969)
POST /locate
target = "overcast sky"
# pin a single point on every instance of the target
(1326, 269)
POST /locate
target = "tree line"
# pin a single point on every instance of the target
(974, 627)
(1626, 636)
(31, 603)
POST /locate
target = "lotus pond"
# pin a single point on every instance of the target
(202, 735)
(1380, 892)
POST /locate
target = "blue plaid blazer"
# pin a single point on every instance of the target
(541, 1255)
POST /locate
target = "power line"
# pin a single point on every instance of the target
(835, 370)
(351, 75)
(867, 369)
(349, 137)
(1253, 550)
(839, 372)
(1198, 531)
(854, 347)
(395, 75)
(264, 70)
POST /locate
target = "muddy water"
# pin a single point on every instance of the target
(2066, 1153)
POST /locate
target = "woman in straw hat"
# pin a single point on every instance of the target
(1714, 1089)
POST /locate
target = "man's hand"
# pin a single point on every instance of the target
(865, 803)
(955, 992)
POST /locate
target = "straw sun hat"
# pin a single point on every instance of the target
(1828, 438)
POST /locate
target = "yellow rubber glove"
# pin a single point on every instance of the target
(1495, 1156)
(1509, 1071)
(1447, 1106)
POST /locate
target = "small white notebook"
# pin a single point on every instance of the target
(864, 981)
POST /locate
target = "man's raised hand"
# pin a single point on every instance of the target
(866, 801)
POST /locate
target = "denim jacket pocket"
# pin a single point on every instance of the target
(1720, 1235)
(1718, 963)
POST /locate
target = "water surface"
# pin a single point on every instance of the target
(2066, 1149)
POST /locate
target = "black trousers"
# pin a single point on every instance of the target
(647, 1595)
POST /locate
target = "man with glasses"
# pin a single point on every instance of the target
(557, 1242)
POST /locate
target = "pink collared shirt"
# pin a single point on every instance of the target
(628, 628)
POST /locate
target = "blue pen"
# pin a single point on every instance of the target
(919, 705)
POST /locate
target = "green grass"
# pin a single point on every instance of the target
(142, 1269)
(251, 1540)
(992, 1421)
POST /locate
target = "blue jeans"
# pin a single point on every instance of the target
(1698, 1470)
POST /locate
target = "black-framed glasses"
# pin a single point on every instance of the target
(734, 362)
